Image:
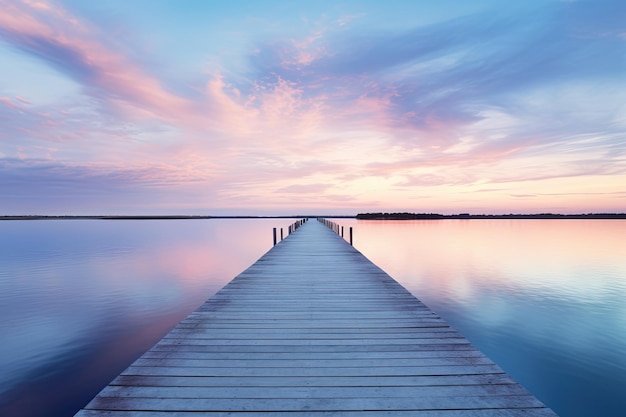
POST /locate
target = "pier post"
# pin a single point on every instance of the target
(274, 236)
(351, 235)
(281, 233)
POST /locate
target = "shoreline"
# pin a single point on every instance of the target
(466, 216)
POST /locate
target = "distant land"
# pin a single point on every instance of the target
(154, 217)
(435, 216)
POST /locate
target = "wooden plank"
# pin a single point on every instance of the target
(337, 323)
(499, 412)
(313, 329)
(310, 392)
(181, 346)
(329, 371)
(320, 342)
(329, 356)
(288, 362)
(314, 404)
(299, 335)
(324, 331)
(311, 381)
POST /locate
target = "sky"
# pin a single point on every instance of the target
(299, 107)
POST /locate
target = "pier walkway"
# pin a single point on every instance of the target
(313, 328)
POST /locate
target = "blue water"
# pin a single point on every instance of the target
(80, 300)
(545, 299)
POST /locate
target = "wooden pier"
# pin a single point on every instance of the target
(313, 328)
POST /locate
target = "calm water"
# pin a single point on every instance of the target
(545, 299)
(80, 300)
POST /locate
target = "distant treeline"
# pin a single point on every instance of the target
(436, 216)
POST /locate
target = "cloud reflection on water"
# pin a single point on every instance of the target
(81, 299)
(543, 298)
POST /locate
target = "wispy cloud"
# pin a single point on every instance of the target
(503, 96)
(52, 33)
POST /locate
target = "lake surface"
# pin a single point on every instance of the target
(81, 299)
(545, 299)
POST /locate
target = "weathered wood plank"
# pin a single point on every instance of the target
(310, 392)
(321, 342)
(308, 363)
(312, 381)
(181, 346)
(498, 412)
(328, 371)
(323, 332)
(427, 333)
(328, 356)
(337, 323)
(294, 338)
(313, 404)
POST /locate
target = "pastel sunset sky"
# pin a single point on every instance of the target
(312, 107)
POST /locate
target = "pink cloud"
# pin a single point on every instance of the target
(230, 112)
(22, 100)
(272, 112)
(9, 103)
(54, 34)
(79, 50)
(304, 52)
(50, 31)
